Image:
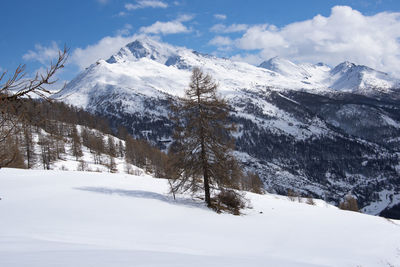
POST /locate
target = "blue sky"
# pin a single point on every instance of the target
(365, 32)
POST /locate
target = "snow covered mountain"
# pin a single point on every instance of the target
(360, 78)
(320, 131)
(346, 76)
(167, 68)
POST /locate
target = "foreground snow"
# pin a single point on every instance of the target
(56, 218)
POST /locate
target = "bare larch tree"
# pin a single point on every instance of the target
(201, 156)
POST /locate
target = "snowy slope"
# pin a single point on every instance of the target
(358, 78)
(66, 161)
(149, 67)
(285, 68)
(55, 218)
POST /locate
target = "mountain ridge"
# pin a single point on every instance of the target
(278, 73)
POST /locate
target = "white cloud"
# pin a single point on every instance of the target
(43, 54)
(257, 37)
(105, 48)
(126, 30)
(169, 27)
(121, 14)
(145, 4)
(345, 35)
(220, 16)
(254, 59)
(221, 41)
(185, 17)
(221, 28)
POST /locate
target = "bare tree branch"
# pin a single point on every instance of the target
(12, 92)
(16, 86)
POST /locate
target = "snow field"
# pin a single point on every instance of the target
(67, 218)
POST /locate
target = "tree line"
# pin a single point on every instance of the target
(50, 130)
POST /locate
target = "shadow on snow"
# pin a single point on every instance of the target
(143, 194)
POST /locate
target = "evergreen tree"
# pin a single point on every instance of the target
(202, 147)
(47, 152)
(29, 146)
(111, 165)
(121, 149)
(12, 148)
(76, 143)
(112, 150)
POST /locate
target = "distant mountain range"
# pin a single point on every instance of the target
(346, 76)
(318, 130)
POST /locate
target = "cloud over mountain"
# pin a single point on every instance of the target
(346, 34)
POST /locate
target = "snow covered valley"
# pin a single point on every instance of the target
(71, 218)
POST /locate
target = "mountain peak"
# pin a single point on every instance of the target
(347, 66)
(274, 62)
(285, 67)
(350, 76)
(139, 49)
(144, 47)
(343, 67)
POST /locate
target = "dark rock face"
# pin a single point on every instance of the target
(393, 212)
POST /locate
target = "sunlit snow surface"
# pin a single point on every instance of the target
(66, 218)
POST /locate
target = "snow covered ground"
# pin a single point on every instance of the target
(70, 218)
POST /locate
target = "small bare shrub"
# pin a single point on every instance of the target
(292, 195)
(310, 201)
(137, 172)
(349, 203)
(299, 199)
(128, 168)
(231, 201)
(252, 182)
(63, 168)
(82, 166)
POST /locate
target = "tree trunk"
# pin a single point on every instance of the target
(203, 154)
(205, 176)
